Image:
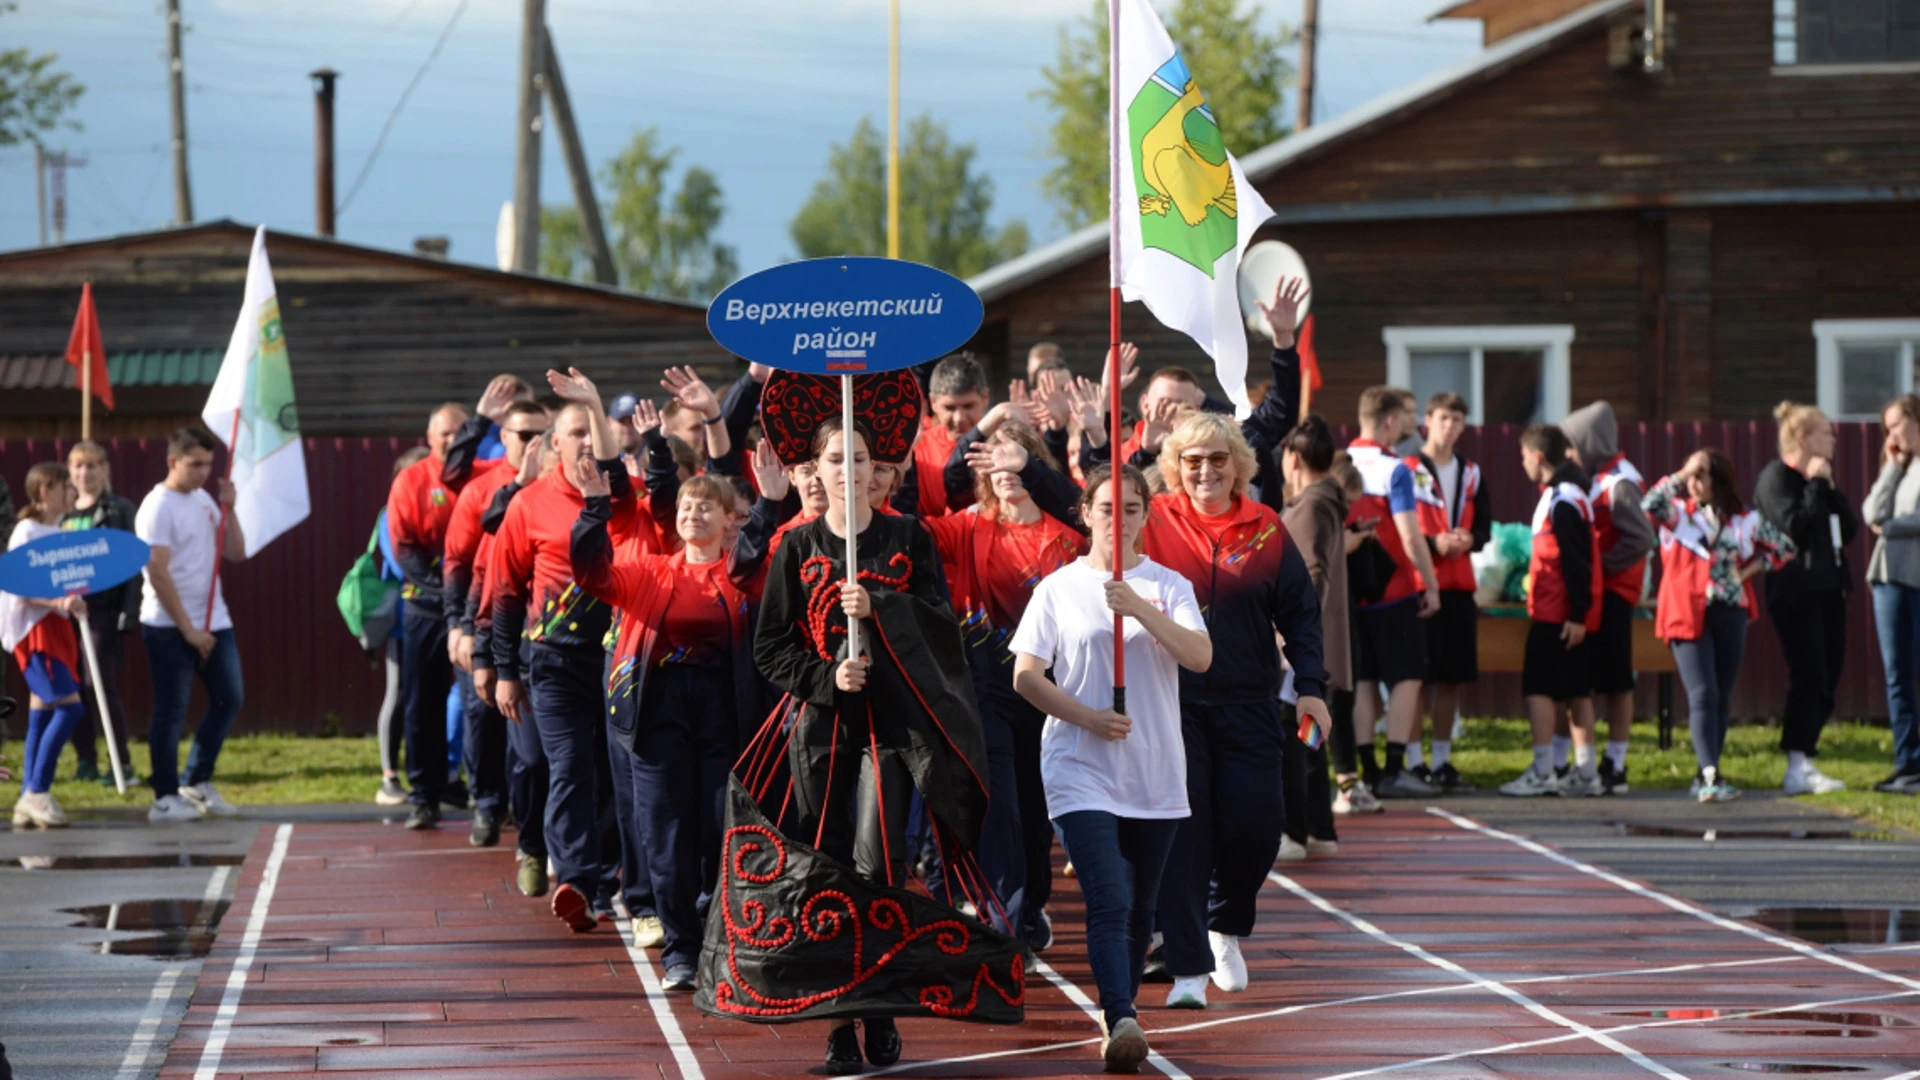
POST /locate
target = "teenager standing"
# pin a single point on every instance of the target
(1455, 509)
(40, 635)
(111, 613)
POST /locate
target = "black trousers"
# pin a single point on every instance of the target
(685, 750)
(110, 645)
(485, 751)
(1309, 794)
(427, 674)
(1813, 636)
(1036, 829)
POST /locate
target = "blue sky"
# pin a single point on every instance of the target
(755, 90)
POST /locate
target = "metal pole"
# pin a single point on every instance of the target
(323, 204)
(40, 190)
(526, 176)
(100, 701)
(575, 154)
(177, 95)
(893, 129)
(1113, 343)
(1309, 44)
(852, 494)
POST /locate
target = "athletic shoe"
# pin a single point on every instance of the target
(1709, 787)
(1291, 850)
(1448, 780)
(1579, 785)
(532, 877)
(1560, 771)
(455, 794)
(570, 906)
(1125, 1047)
(1531, 784)
(648, 933)
(1357, 799)
(603, 911)
(1188, 993)
(486, 830)
(89, 770)
(1811, 781)
(1900, 783)
(843, 1052)
(1422, 771)
(1614, 780)
(679, 977)
(883, 1040)
(1229, 967)
(1155, 970)
(38, 809)
(171, 809)
(1069, 871)
(1040, 934)
(390, 792)
(208, 801)
(1405, 785)
(423, 817)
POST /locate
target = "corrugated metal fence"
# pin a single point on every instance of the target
(305, 674)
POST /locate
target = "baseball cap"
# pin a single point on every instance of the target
(622, 407)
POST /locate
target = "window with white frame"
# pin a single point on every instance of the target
(1508, 374)
(1839, 36)
(1863, 364)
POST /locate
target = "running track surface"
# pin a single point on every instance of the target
(1429, 947)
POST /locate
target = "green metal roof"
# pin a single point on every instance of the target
(171, 367)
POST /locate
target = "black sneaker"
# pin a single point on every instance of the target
(1900, 783)
(843, 1052)
(1423, 772)
(1405, 785)
(486, 830)
(455, 794)
(1448, 779)
(883, 1041)
(1156, 969)
(1614, 780)
(424, 817)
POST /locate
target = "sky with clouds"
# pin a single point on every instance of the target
(755, 90)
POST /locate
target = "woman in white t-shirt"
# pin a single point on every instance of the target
(1116, 782)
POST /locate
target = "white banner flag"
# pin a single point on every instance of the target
(1186, 209)
(251, 410)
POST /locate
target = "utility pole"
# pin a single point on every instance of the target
(893, 129)
(1309, 42)
(177, 93)
(575, 153)
(323, 205)
(40, 191)
(526, 176)
(57, 165)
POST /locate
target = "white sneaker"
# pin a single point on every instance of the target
(1531, 784)
(648, 933)
(1229, 967)
(1578, 785)
(169, 809)
(1811, 781)
(208, 801)
(1189, 992)
(1317, 846)
(37, 808)
(1291, 850)
(1357, 800)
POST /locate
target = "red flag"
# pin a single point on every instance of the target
(1309, 363)
(86, 347)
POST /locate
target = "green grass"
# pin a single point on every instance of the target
(1495, 751)
(254, 770)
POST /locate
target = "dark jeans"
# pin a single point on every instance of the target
(1002, 860)
(527, 783)
(1708, 666)
(1896, 615)
(1118, 862)
(685, 749)
(1036, 829)
(636, 881)
(172, 664)
(427, 675)
(110, 646)
(569, 710)
(1225, 850)
(1813, 635)
(485, 750)
(1309, 795)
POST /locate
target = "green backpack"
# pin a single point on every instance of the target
(369, 602)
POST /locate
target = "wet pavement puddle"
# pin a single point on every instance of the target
(1838, 925)
(1690, 832)
(1791, 1068)
(1836, 1025)
(125, 862)
(169, 929)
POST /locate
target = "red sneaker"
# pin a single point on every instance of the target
(570, 906)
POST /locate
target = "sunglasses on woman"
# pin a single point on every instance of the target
(1218, 459)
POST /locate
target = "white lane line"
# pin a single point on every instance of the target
(1676, 903)
(662, 1005)
(1484, 983)
(135, 1061)
(1906, 1075)
(216, 888)
(1530, 1044)
(1080, 998)
(249, 944)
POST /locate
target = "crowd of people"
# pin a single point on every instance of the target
(613, 611)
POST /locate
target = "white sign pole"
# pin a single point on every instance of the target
(852, 480)
(100, 700)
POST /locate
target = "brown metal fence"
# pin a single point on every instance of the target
(305, 674)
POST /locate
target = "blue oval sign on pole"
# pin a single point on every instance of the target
(62, 564)
(845, 316)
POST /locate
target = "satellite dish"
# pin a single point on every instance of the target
(503, 238)
(1261, 270)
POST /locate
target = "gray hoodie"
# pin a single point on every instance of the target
(1596, 439)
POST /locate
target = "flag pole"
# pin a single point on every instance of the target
(100, 703)
(852, 493)
(86, 395)
(1113, 342)
(220, 535)
(893, 130)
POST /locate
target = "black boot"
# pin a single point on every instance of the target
(883, 1041)
(843, 1052)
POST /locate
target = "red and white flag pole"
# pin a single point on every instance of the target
(1113, 342)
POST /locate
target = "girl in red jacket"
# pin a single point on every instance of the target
(1711, 549)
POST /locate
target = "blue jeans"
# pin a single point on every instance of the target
(1708, 665)
(1896, 615)
(172, 665)
(1118, 862)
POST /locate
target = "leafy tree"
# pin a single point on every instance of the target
(662, 240)
(34, 99)
(944, 203)
(1239, 65)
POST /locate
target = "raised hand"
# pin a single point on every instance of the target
(1050, 394)
(1283, 315)
(530, 465)
(1160, 417)
(997, 455)
(498, 395)
(646, 416)
(691, 392)
(587, 478)
(1129, 368)
(1085, 404)
(768, 474)
(573, 386)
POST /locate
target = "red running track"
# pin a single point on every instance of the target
(1428, 948)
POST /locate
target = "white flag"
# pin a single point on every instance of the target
(1186, 209)
(251, 410)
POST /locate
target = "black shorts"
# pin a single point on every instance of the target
(1453, 639)
(1389, 644)
(1613, 646)
(1553, 670)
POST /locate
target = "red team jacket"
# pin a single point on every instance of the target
(1547, 598)
(1454, 571)
(1376, 465)
(1624, 583)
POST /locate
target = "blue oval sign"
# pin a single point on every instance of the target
(61, 564)
(845, 316)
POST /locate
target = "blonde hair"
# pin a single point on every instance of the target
(1796, 422)
(1201, 427)
(713, 488)
(1023, 433)
(88, 449)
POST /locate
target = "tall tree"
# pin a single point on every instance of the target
(34, 98)
(1239, 64)
(662, 238)
(944, 203)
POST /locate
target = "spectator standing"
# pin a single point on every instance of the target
(1892, 511)
(1456, 517)
(1315, 518)
(181, 522)
(111, 613)
(1807, 598)
(39, 633)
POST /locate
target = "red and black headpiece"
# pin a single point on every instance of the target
(794, 404)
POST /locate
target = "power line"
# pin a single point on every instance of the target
(374, 155)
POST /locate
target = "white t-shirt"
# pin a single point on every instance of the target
(1068, 625)
(17, 617)
(188, 527)
(1449, 477)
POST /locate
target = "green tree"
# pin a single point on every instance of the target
(34, 98)
(662, 239)
(944, 203)
(1234, 60)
